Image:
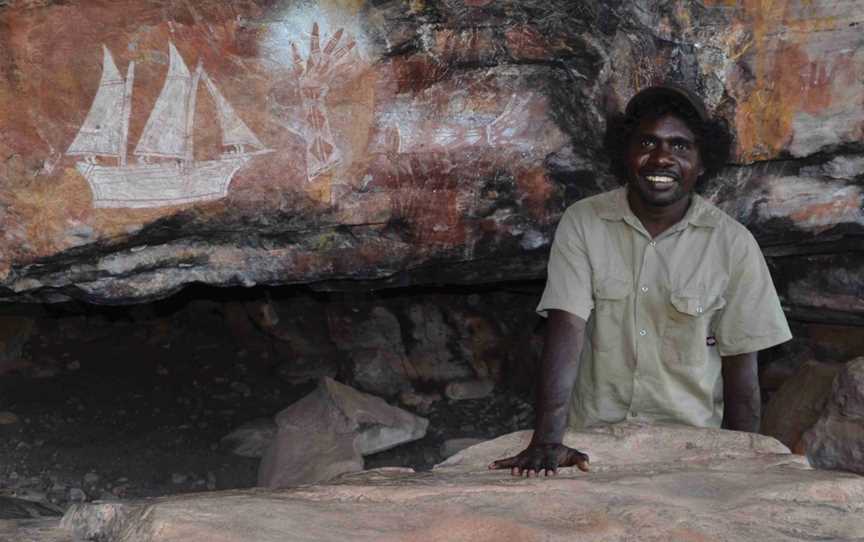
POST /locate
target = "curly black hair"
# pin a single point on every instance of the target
(712, 136)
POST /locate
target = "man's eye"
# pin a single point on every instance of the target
(681, 146)
(645, 143)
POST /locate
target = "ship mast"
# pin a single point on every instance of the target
(127, 111)
(190, 115)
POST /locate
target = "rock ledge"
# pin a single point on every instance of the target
(646, 483)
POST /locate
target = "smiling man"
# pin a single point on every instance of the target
(657, 301)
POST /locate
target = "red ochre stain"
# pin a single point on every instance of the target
(417, 73)
(786, 81)
(525, 42)
(536, 191)
(821, 76)
(764, 117)
(438, 220)
(828, 212)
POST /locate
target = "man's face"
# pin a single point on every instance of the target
(663, 161)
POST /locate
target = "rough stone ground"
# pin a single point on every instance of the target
(119, 404)
(648, 484)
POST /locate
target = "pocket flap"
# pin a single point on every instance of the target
(696, 304)
(612, 288)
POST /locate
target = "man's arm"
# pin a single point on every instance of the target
(565, 334)
(741, 397)
(558, 369)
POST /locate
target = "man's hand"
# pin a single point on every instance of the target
(559, 366)
(546, 458)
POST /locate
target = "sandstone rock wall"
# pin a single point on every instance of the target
(401, 142)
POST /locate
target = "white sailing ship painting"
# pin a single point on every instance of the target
(174, 177)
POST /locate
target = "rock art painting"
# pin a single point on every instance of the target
(318, 56)
(507, 129)
(313, 76)
(177, 178)
(433, 141)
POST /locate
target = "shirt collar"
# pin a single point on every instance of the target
(616, 207)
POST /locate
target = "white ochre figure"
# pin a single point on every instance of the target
(175, 177)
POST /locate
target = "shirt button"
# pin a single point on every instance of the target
(643, 332)
(653, 243)
(699, 309)
(644, 288)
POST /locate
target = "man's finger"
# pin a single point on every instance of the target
(575, 458)
(506, 463)
(537, 465)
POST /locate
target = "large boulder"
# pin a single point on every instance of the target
(797, 405)
(647, 483)
(837, 439)
(326, 433)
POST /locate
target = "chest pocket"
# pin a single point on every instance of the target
(688, 326)
(610, 308)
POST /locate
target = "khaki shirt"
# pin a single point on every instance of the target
(662, 311)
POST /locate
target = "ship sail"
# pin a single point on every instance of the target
(234, 130)
(165, 133)
(102, 131)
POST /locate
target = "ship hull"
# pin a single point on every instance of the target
(160, 185)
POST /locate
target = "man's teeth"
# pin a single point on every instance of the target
(660, 179)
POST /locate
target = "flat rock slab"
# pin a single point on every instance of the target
(646, 483)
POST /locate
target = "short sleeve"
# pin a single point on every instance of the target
(752, 319)
(568, 282)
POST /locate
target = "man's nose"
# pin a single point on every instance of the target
(661, 156)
